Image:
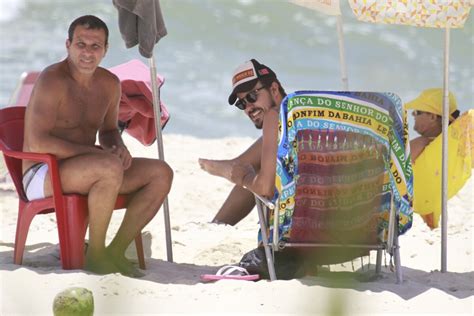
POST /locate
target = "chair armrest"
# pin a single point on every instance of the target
(49, 159)
(46, 158)
(265, 201)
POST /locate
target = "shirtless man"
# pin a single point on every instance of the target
(428, 111)
(259, 93)
(72, 101)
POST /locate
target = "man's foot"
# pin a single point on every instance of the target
(125, 266)
(100, 265)
(219, 168)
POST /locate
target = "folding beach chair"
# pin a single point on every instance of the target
(343, 177)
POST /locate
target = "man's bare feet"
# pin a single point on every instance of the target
(100, 264)
(221, 168)
(124, 265)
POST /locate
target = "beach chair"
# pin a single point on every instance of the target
(70, 209)
(343, 178)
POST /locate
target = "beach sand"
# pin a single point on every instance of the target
(200, 247)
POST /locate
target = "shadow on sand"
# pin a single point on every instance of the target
(43, 258)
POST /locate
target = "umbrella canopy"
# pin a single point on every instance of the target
(435, 13)
(329, 7)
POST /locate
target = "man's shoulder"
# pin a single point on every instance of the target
(107, 75)
(51, 76)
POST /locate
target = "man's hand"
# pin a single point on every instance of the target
(124, 155)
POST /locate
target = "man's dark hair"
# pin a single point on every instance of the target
(454, 115)
(267, 81)
(89, 22)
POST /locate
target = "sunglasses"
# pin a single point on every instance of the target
(251, 97)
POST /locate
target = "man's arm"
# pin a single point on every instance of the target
(417, 146)
(41, 116)
(109, 136)
(262, 182)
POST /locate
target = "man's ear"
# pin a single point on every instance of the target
(433, 117)
(274, 88)
(68, 43)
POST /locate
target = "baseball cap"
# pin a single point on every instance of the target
(431, 100)
(245, 77)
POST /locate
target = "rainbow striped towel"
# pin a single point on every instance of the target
(343, 162)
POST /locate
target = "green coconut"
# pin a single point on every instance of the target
(74, 301)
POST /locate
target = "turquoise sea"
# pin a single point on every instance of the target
(208, 39)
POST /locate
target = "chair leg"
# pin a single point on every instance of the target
(263, 229)
(378, 264)
(72, 242)
(396, 255)
(22, 227)
(140, 253)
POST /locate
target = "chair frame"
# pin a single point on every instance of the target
(70, 209)
(264, 206)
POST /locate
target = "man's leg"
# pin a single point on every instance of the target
(150, 181)
(99, 176)
(238, 204)
(240, 201)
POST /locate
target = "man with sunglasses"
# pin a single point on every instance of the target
(257, 91)
(427, 111)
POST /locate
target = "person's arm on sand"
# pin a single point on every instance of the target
(109, 136)
(42, 115)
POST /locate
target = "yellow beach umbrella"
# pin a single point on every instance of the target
(445, 14)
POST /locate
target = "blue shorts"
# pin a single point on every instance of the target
(33, 181)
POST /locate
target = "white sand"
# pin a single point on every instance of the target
(200, 247)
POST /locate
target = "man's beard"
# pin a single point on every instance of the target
(259, 125)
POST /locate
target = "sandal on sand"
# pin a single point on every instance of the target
(230, 273)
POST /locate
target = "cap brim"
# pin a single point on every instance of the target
(246, 86)
(232, 98)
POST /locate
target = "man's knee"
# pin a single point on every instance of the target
(163, 175)
(109, 166)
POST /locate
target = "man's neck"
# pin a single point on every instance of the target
(432, 132)
(82, 79)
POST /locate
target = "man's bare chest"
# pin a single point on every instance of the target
(82, 109)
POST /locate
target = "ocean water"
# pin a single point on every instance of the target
(208, 39)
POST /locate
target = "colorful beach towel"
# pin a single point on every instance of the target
(427, 168)
(343, 161)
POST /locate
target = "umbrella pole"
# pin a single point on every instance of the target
(342, 58)
(161, 155)
(444, 175)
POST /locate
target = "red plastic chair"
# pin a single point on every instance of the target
(71, 209)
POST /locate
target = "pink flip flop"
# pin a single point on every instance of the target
(230, 273)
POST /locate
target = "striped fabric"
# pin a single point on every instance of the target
(343, 160)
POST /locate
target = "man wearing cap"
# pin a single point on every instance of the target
(427, 111)
(257, 91)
